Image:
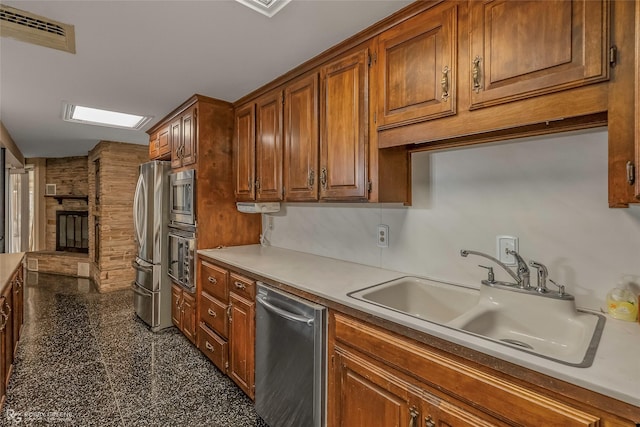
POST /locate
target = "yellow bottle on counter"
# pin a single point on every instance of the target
(622, 304)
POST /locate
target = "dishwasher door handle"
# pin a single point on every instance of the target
(283, 313)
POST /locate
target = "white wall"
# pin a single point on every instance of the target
(551, 192)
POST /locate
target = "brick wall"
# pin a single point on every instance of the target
(118, 175)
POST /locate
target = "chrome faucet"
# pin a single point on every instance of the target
(466, 252)
(543, 273)
(523, 270)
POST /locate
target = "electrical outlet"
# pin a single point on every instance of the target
(382, 236)
(502, 244)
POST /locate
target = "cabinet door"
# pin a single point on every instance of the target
(189, 136)
(344, 127)
(18, 310)
(416, 68)
(176, 143)
(164, 142)
(269, 147)
(301, 140)
(189, 316)
(8, 342)
(3, 351)
(154, 146)
(176, 309)
(242, 343)
(244, 153)
(369, 396)
(520, 49)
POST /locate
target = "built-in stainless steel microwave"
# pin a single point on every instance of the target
(182, 204)
(181, 258)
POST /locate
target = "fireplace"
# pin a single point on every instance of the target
(72, 231)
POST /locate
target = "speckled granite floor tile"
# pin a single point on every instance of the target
(86, 359)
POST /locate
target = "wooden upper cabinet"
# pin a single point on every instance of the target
(189, 136)
(164, 142)
(175, 137)
(417, 68)
(244, 153)
(153, 146)
(183, 138)
(520, 49)
(268, 141)
(344, 126)
(301, 139)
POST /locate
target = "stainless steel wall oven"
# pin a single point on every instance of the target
(182, 257)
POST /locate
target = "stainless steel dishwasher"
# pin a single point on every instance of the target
(290, 359)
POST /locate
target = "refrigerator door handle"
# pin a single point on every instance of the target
(140, 210)
(138, 290)
(137, 266)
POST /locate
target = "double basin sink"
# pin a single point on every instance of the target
(546, 327)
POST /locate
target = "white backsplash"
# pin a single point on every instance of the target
(550, 192)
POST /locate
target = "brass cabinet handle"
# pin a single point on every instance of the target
(475, 74)
(212, 280)
(5, 319)
(6, 304)
(631, 175)
(323, 177)
(240, 285)
(311, 178)
(413, 417)
(229, 312)
(257, 184)
(208, 346)
(211, 313)
(428, 422)
(444, 82)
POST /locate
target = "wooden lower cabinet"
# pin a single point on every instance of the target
(377, 378)
(183, 311)
(374, 395)
(242, 326)
(227, 322)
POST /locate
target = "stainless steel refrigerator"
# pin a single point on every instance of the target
(152, 288)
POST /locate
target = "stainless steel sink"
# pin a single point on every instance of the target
(546, 327)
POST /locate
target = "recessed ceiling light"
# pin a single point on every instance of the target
(96, 116)
(266, 7)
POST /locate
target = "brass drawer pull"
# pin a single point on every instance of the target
(445, 83)
(428, 422)
(475, 74)
(6, 304)
(240, 285)
(323, 178)
(208, 346)
(212, 280)
(413, 414)
(211, 313)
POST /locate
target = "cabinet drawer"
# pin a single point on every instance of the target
(214, 313)
(214, 347)
(214, 280)
(243, 286)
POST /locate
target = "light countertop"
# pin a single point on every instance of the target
(8, 265)
(615, 371)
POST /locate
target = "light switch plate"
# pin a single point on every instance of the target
(502, 243)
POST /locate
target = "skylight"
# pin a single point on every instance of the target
(266, 7)
(99, 117)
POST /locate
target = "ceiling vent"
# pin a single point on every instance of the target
(35, 29)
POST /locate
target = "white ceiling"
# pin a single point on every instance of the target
(147, 57)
